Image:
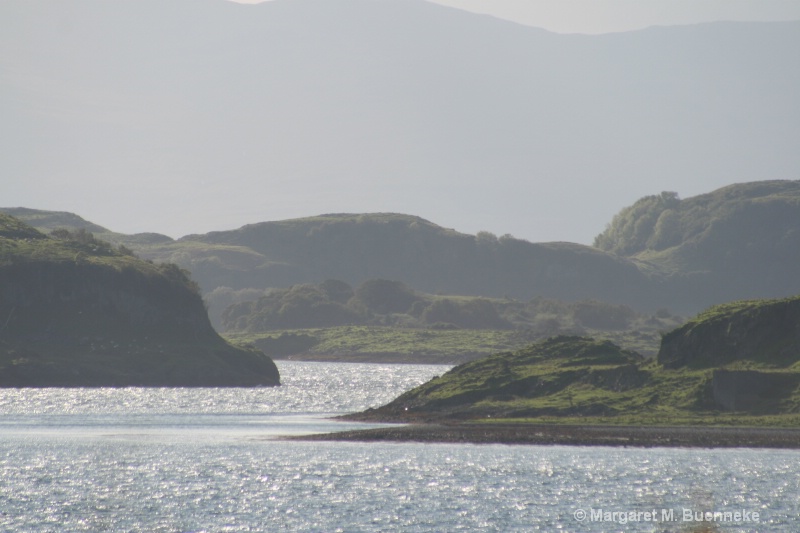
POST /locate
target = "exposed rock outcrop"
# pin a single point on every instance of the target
(750, 390)
(764, 331)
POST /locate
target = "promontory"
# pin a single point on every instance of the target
(76, 311)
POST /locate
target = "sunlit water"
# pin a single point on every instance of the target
(208, 460)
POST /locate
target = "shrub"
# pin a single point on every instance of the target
(384, 296)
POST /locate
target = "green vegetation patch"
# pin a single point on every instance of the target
(12, 228)
(384, 343)
(584, 380)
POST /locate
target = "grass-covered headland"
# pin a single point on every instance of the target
(739, 368)
(77, 311)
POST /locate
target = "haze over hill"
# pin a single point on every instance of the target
(740, 241)
(185, 116)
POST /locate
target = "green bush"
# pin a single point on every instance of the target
(383, 296)
(471, 313)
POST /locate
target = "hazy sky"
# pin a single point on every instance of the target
(604, 16)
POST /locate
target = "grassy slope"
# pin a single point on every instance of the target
(391, 344)
(416, 345)
(574, 380)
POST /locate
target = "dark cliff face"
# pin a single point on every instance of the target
(765, 332)
(750, 390)
(73, 314)
(68, 300)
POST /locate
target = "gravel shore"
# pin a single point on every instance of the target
(644, 436)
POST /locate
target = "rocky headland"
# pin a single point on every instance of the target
(75, 311)
(728, 377)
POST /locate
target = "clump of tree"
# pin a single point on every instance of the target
(299, 306)
(337, 291)
(383, 297)
(80, 236)
(545, 317)
(651, 222)
(222, 297)
(467, 313)
(392, 303)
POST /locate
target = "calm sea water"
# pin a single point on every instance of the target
(207, 460)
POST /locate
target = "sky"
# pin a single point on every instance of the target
(608, 16)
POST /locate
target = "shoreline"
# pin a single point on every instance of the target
(384, 359)
(582, 435)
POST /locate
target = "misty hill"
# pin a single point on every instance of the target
(354, 248)
(290, 107)
(78, 312)
(734, 243)
(47, 221)
(740, 241)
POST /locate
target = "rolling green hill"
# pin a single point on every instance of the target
(357, 247)
(738, 242)
(737, 363)
(76, 311)
(238, 265)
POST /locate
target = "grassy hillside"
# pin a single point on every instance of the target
(354, 248)
(418, 345)
(738, 242)
(384, 344)
(579, 379)
(77, 311)
(233, 266)
(47, 221)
